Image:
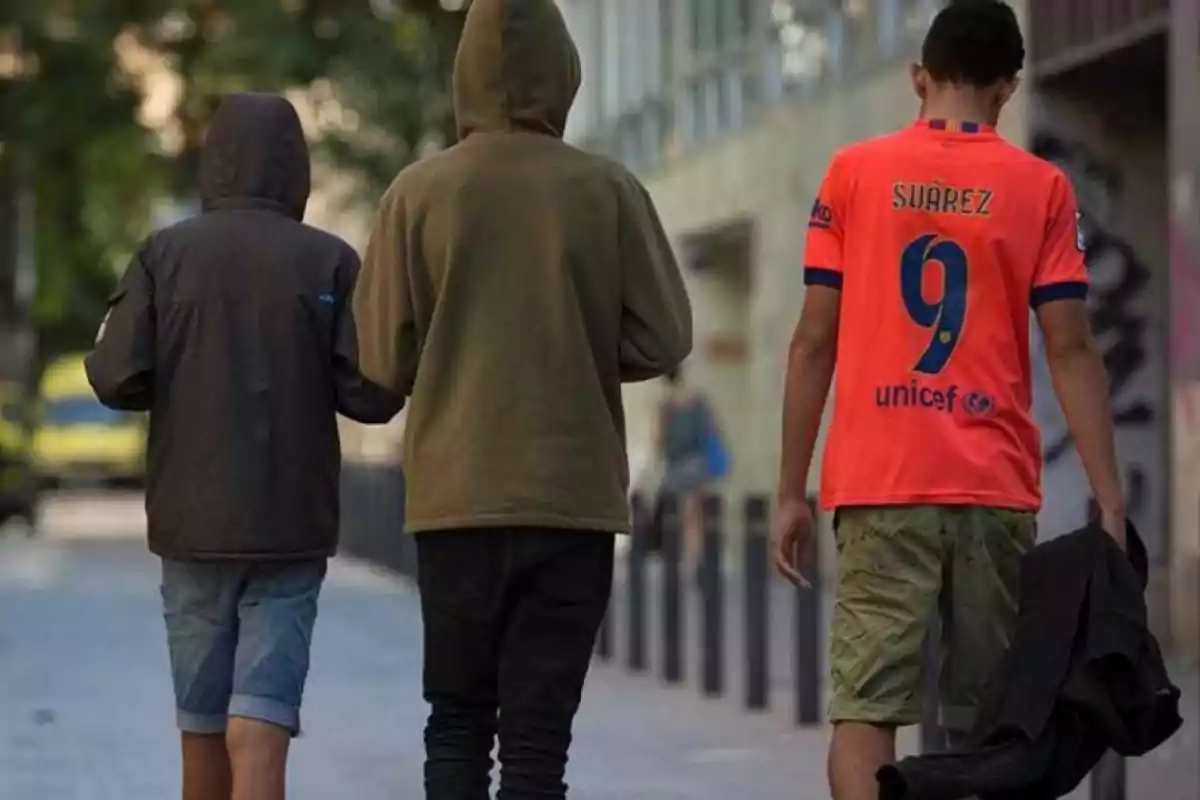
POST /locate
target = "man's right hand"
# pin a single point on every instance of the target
(1113, 523)
(793, 540)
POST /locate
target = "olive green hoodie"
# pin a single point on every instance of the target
(511, 283)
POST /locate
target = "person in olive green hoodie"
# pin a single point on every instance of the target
(511, 284)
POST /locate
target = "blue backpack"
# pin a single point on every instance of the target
(716, 455)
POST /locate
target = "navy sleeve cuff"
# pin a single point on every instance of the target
(821, 276)
(1068, 290)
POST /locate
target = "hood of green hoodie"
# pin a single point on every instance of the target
(516, 68)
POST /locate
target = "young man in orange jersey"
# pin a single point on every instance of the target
(926, 250)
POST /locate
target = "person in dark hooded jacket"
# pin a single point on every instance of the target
(510, 285)
(234, 331)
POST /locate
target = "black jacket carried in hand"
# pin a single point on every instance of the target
(234, 331)
(1083, 675)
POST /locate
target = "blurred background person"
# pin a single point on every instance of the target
(691, 457)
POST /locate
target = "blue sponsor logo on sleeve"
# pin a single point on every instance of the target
(821, 217)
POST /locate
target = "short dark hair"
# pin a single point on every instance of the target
(974, 43)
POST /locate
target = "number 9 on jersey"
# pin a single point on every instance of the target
(944, 319)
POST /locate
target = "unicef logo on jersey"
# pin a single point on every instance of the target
(924, 396)
(978, 404)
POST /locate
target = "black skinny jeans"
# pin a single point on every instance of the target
(511, 617)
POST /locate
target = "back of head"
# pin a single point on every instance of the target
(974, 43)
(970, 61)
(255, 154)
(516, 67)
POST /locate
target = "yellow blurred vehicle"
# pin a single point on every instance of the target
(79, 440)
(16, 496)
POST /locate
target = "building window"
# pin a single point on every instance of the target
(583, 20)
(666, 41)
(890, 29)
(698, 99)
(610, 66)
(862, 37)
(705, 24)
(747, 19)
(807, 45)
(916, 16)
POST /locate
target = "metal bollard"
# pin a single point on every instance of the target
(712, 655)
(758, 536)
(604, 635)
(636, 590)
(1109, 780)
(933, 735)
(408, 545)
(808, 641)
(672, 605)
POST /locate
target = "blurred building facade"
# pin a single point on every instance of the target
(729, 111)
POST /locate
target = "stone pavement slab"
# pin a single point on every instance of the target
(86, 705)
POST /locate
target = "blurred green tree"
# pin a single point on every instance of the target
(84, 85)
(71, 129)
(375, 73)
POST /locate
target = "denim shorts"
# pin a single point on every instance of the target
(239, 634)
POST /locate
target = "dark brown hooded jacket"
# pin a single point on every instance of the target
(232, 329)
(512, 282)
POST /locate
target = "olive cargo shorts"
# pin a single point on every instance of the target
(898, 567)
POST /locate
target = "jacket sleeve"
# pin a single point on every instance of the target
(120, 367)
(656, 315)
(387, 337)
(358, 397)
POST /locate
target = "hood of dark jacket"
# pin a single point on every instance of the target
(255, 155)
(516, 68)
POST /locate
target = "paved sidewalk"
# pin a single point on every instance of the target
(86, 708)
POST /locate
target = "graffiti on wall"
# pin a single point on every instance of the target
(1121, 306)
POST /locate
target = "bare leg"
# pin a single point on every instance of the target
(858, 751)
(258, 755)
(692, 531)
(206, 774)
